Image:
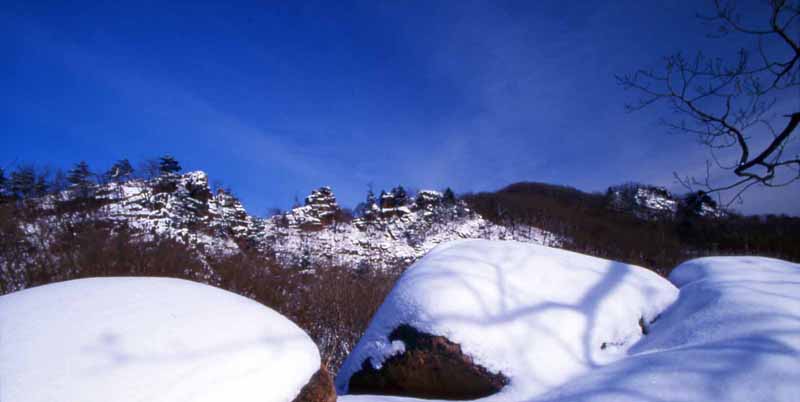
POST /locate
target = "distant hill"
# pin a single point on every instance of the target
(638, 223)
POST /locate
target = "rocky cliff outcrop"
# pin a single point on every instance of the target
(320, 210)
(652, 202)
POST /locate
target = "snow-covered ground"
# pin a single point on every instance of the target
(541, 316)
(147, 339)
(733, 334)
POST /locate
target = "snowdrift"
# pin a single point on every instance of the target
(538, 315)
(147, 339)
(733, 335)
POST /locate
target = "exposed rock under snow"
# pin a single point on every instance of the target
(644, 201)
(651, 202)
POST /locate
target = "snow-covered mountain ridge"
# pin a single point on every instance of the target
(389, 230)
(392, 230)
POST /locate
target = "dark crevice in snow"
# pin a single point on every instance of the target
(644, 326)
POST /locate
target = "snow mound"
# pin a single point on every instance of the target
(147, 339)
(539, 315)
(733, 335)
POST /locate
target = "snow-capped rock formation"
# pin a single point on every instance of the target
(536, 315)
(150, 339)
(181, 207)
(651, 202)
(396, 232)
(645, 202)
(320, 210)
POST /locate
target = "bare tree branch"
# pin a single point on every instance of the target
(726, 102)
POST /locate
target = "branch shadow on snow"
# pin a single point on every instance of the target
(699, 349)
(587, 306)
(694, 355)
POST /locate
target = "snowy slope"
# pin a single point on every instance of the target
(732, 335)
(539, 315)
(147, 339)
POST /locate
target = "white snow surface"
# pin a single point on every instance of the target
(147, 339)
(539, 315)
(732, 335)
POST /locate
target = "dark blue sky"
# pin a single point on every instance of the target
(276, 98)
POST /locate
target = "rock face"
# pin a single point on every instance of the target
(319, 388)
(429, 199)
(319, 211)
(429, 367)
(651, 202)
(645, 202)
(180, 207)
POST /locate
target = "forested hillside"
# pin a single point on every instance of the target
(601, 224)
